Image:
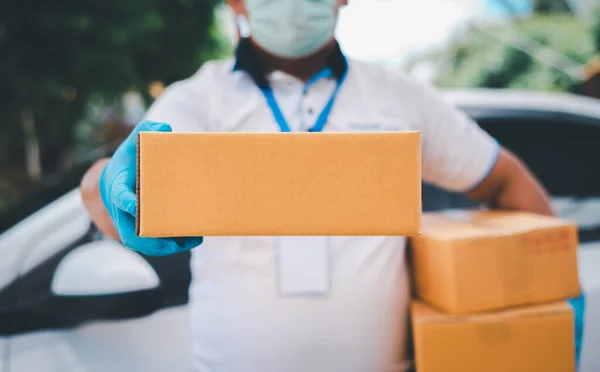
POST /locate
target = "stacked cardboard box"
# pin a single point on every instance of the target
(492, 288)
(278, 184)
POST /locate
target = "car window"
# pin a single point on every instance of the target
(45, 193)
(562, 151)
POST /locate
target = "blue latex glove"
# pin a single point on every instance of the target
(117, 185)
(578, 305)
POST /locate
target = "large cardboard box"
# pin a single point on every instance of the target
(269, 184)
(539, 338)
(467, 262)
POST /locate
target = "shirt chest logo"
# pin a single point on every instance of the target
(366, 127)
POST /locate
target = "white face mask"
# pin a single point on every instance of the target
(291, 28)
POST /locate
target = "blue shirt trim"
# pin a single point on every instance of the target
(489, 170)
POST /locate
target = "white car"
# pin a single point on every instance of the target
(74, 301)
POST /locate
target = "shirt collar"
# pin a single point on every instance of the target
(246, 59)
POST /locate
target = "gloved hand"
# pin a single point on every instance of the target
(116, 188)
(578, 305)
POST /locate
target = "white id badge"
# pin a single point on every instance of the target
(303, 265)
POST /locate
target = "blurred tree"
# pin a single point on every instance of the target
(477, 57)
(514, 64)
(520, 7)
(595, 29)
(56, 53)
(592, 68)
(551, 6)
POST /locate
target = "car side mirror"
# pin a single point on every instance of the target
(104, 280)
(102, 268)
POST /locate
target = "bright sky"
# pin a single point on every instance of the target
(516, 6)
(389, 31)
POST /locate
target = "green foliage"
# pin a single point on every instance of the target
(595, 29)
(56, 53)
(479, 59)
(515, 63)
(551, 6)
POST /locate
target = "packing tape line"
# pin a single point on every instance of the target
(578, 305)
(516, 273)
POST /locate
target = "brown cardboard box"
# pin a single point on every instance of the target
(466, 262)
(267, 184)
(539, 338)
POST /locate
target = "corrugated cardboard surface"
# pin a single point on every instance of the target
(483, 260)
(530, 339)
(269, 184)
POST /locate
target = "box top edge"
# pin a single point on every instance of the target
(434, 316)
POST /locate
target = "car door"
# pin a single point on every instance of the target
(72, 300)
(33, 236)
(563, 151)
(36, 230)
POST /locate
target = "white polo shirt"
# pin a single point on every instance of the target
(240, 323)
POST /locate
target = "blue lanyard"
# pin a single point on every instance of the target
(321, 120)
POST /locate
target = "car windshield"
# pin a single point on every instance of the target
(41, 195)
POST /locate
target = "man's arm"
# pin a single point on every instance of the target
(90, 193)
(510, 185)
(459, 156)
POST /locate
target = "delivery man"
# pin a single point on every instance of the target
(290, 75)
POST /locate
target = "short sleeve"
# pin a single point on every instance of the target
(457, 154)
(183, 105)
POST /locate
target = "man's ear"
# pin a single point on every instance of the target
(340, 4)
(238, 6)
